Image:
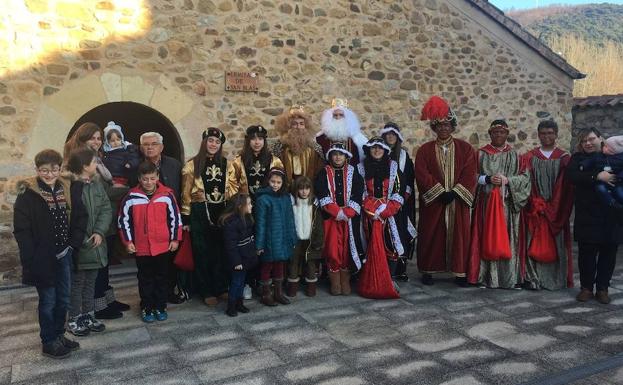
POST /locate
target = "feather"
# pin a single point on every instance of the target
(435, 109)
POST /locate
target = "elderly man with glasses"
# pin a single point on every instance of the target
(170, 171)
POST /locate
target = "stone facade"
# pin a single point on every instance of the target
(602, 112)
(385, 57)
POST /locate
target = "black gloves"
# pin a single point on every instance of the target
(447, 197)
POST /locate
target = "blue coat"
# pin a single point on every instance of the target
(275, 232)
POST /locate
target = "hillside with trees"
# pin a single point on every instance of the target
(589, 37)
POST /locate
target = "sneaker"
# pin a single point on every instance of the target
(119, 306)
(176, 298)
(402, 277)
(55, 349)
(108, 313)
(161, 315)
(69, 344)
(247, 293)
(77, 327)
(148, 316)
(93, 323)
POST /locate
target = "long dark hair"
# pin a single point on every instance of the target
(199, 160)
(80, 137)
(235, 206)
(247, 153)
(395, 153)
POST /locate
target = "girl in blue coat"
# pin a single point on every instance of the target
(275, 235)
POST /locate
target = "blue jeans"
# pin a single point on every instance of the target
(54, 302)
(236, 286)
(609, 194)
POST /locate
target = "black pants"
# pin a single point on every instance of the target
(596, 264)
(152, 281)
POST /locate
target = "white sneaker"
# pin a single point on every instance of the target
(247, 293)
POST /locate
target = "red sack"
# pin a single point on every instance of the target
(375, 280)
(542, 246)
(495, 244)
(184, 257)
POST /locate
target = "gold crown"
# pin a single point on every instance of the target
(297, 109)
(339, 102)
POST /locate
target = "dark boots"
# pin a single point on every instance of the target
(334, 278)
(310, 289)
(292, 288)
(345, 282)
(279, 297)
(231, 311)
(240, 306)
(267, 295)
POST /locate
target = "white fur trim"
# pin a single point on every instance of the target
(353, 247)
(395, 236)
(325, 201)
(343, 151)
(394, 130)
(402, 160)
(355, 206)
(411, 229)
(380, 144)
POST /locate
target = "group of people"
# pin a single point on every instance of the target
(307, 205)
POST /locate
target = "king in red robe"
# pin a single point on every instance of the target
(445, 174)
(546, 246)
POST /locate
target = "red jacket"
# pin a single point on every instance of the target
(150, 223)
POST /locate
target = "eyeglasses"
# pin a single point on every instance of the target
(47, 171)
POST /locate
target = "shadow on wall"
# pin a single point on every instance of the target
(135, 119)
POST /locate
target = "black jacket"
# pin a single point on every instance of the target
(594, 222)
(33, 226)
(171, 174)
(239, 242)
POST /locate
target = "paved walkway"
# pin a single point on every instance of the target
(432, 335)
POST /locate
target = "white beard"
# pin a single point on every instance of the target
(337, 130)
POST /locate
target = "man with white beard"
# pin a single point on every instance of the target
(340, 124)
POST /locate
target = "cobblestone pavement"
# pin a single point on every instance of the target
(432, 335)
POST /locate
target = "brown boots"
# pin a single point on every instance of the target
(340, 282)
(292, 288)
(267, 295)
(334, 278)
(345, 281)
(584, 295)
(310, 289)
(602, 297)
(279, 297)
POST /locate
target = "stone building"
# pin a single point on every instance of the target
(602, 112)
(160, 65)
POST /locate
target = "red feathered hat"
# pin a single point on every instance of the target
(437, 110)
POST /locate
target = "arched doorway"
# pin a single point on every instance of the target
(135, 119)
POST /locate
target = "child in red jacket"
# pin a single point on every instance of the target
(151, 227)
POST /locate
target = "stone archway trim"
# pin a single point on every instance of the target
(59, 111)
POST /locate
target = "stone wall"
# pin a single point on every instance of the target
(607, 119)
(386, 57)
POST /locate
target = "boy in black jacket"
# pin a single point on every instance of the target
(49, 226)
